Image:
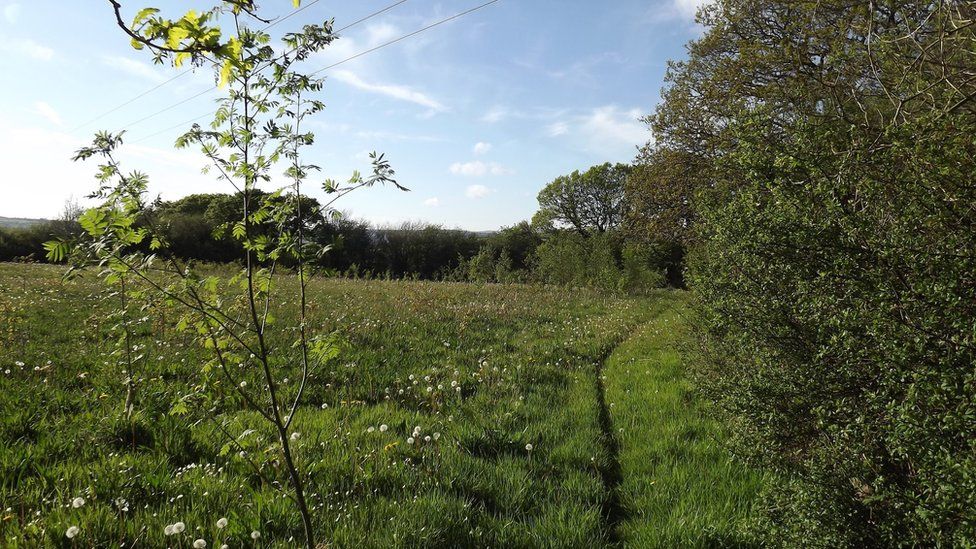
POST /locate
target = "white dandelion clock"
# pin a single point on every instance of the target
(77, 502)
(199, 544)
(72, 532)
(222, 522)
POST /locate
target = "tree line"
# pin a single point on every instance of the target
(577, 238)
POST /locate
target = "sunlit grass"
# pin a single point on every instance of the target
(457, 415)
(679, 487)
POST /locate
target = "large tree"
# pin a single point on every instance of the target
(590, 202)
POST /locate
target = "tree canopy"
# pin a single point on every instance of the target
(589, 202)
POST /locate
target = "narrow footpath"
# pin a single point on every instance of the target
(669, 480)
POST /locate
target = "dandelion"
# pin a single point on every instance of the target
(199, 544)
(437, 436)
(370, 429)
(255, 535)
(221, 522)
(178, 528)
(243, 384)
(383, 428)
(427, 438)
(168, 530)
(528, 447)
(296, 435)
(77, 502)
(72, 532)
(324, 406)
(409, 440)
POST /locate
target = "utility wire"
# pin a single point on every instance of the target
(208, 90)
(336, 64)
(173, 127)
(405, 36)
(184, 73)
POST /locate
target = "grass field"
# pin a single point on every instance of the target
(535, 428)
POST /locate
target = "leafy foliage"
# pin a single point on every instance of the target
(819, 155)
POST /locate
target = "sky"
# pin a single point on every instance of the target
(476, 115)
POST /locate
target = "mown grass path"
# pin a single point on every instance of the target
(670, 482)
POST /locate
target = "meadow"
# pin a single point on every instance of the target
(456, 415)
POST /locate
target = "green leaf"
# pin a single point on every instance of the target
(57, 250)
(225, 73)
(143, 14)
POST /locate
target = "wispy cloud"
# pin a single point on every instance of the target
(557, 128)
(496, 114)
(479, 169)
(395, 91)
(688, 8)
(133, 67)
(394, 136)
(607, 130)
(11, 12)
(475, 192)
(48, 112)
(25, 47)
(432, 202)
(482, 148)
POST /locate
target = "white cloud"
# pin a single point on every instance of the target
(482, 148)
(26, 48)
(432, 202)
(613, 125)
(42, 156)
(608, 131)
(133, 67)
(11, 12)
(48, 112)
(395, 91)
(394, 136)
(688, 8)
(557, 128)
(495, 114)
(475, 192)
(381, 33)
(479, 169)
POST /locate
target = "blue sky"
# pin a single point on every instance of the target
(476, 115)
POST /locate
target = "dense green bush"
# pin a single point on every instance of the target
(834, 257)
(604, 261)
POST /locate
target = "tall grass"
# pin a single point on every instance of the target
(678, 487)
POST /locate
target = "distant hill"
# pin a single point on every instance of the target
(19, 222)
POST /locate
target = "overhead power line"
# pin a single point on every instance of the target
(333, 65)
(186, 72)
(405, 36)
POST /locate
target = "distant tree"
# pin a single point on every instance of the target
(588, 203)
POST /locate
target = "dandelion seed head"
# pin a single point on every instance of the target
(72, 532)
(222, 522)
(77, 502)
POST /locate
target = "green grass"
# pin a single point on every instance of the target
(525, 359)
(678, 487)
